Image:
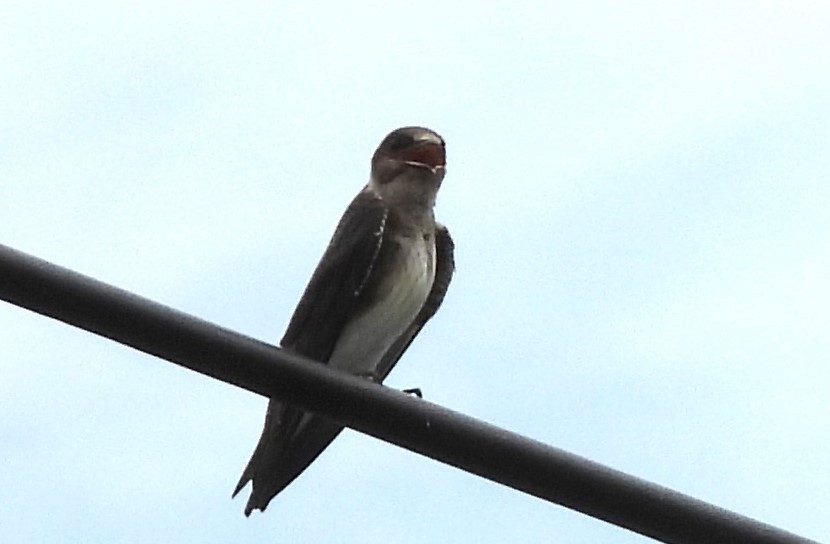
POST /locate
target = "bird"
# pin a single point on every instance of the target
(382, 276)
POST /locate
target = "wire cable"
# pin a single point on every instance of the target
(456, 439)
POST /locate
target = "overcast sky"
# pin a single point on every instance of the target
(639, 197)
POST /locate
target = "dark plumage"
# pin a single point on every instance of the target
(382, 277)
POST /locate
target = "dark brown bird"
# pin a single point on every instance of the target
(382, 277)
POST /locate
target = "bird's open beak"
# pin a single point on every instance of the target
(427, 154)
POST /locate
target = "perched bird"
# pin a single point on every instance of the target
(382, 277)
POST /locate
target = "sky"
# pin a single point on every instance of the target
(638, 195)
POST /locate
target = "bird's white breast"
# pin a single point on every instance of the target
(404, 291)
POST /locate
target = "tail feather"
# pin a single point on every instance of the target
(291, 440)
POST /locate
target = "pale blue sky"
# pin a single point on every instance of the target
(639, 197)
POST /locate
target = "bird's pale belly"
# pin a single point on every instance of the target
(365, 341)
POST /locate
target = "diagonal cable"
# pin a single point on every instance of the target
(456, 439)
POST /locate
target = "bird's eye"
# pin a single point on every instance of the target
(399, 142)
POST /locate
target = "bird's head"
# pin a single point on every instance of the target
(409, 161)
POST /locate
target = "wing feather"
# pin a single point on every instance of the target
(333, 294)
(334, 291)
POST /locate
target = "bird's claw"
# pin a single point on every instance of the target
(416, 391)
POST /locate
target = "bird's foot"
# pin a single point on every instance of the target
(415, 391)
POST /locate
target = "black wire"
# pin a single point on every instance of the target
(477, 447)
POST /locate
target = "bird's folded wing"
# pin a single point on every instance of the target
(334, 292)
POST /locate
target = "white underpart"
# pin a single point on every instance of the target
(364, 341)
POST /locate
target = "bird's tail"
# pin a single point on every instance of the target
(291, 439)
